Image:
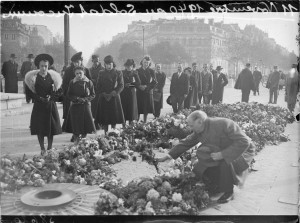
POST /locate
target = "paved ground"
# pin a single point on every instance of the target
(272, 190)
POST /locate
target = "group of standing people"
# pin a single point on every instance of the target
(247, 81)
(189, 86)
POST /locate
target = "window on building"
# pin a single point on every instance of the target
(13, 36)
(5, 36)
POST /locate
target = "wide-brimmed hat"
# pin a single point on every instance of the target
(43, 57)
(108, 59)
(30, 55)
(13, 55)
(129, 62)
(76, 57)
(219, 68)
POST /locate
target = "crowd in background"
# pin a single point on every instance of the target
(99, 96)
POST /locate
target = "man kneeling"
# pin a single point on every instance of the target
(224, 155)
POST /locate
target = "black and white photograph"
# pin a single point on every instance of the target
(162, 116)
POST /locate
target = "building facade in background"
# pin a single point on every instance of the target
(17, 38)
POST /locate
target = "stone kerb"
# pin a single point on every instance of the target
(11, 100)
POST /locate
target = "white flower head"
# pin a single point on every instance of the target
(152, 194)
(177, 197)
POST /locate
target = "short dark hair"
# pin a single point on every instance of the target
(79, 68)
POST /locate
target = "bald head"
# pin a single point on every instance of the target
(196, 121)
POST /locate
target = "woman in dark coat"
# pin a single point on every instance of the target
(219, 82)
(109, 86)
(128, 95)
(81, 92)
(44, 87)
(145, 91)
(159, 88)
(9, 71)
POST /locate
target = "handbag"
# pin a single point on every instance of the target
(156, 95)
(169, 101)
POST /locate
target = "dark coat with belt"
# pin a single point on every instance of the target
(224, 134)
(80, 119)
(192, 98)
(9, 71)
(45, 119)
(128, 95)
(219, 82)
(94, 72)
(68, 76)
(274, 80)
(161, 81)
(145, 98)
(179, 85)
(207, 82)
(109, 112)
(245, 81)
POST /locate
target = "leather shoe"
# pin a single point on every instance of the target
(226, 197)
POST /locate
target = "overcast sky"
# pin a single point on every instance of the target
(88, 31)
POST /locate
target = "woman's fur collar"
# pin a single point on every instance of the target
(30, 79)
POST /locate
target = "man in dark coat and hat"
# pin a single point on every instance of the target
(273, 84)
(94, 72)
(224, 155)
(76, 60)
(179, 88)
(144, 92)
(219, 82)
(245, 82)
(26, 67)
(158, 90)
(9, 72)
(207, 84)
(257, 76)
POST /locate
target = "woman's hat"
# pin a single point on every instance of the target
(219, 68)
(129, 62)
(43, 57)
(76, 57)
(108, 59)
(30, 55)
(95, 56)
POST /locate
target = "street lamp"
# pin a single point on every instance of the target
(143, 40)
(67, 38)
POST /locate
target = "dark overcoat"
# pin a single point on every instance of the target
(179, 85)
(292, 87)
(80, 119)
(45, 119)
(245, 81)
(219, 82)
(94, 72)
(9, 71)
(161, 81)
(274, 80)
(109, 112)
(145, 98)
(68, 76)
(26, 67)
(207, 82)
(257, 76)
(224, 134)
(192, 98)
(128, 95)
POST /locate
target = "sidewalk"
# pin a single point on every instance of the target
(273, 189)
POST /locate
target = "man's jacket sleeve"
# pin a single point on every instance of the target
(184, 145)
